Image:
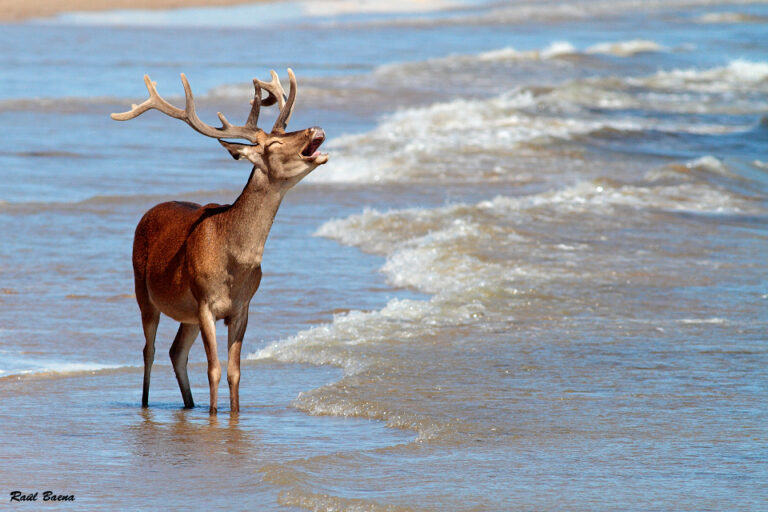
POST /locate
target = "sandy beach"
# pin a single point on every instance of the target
(16, 10)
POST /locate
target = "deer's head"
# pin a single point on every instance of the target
(283, 158)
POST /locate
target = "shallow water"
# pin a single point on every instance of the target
(531, 277)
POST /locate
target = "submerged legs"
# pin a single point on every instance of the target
(236, 332)
(149, 319)
(179, 353)
(208, 330)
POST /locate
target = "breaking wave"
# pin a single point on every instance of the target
(738, 75)
(19, 367)
(474, 260)
(564, 48)
(728, 17)
(427, 142)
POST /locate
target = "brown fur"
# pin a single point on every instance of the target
(199, 264)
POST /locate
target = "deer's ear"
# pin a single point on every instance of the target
(239, 151)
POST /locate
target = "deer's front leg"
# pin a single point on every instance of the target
(208, 330)
(237, 325)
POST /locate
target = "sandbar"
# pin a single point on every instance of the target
(18, 10)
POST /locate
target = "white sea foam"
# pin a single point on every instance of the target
(552, 51)
(474, 262)
(333, 343)
(467, 70)
(443, 252)
(434, 250)
(524, 11)
(406, 143)
(327, 400)
(693, 197)
(738, 75)
(26, 366)
(703, 321)
(728, 17)
(741, 87)
(559, 49)
(709, 163)
(626, 48)
(428, 142)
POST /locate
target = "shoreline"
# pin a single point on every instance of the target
(16, 10)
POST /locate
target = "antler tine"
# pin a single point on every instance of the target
(227, 129)
(286, 110)
(248, 132)
(274, 89)
(153, 102)
(253, 117)
(277, 94)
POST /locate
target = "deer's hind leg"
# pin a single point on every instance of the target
(150, 317)
(179, 353)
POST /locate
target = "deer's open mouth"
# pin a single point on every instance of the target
(310, 151)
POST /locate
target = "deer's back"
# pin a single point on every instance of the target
(162, 232)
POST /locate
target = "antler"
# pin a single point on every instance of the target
(277, 93)
(248, 132)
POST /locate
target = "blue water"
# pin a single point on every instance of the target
(531, 277)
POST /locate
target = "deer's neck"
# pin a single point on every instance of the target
(250, 219)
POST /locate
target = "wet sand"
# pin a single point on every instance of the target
(98, 447)
(17, 10)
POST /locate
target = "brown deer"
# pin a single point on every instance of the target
(199, 264)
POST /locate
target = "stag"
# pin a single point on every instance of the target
(199, 264)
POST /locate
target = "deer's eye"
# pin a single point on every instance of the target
(270, 144)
